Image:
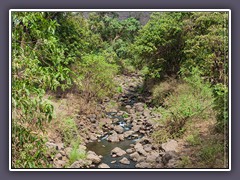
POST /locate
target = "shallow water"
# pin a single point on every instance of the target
(104, 148)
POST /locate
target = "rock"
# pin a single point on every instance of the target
(118, 151)
(139, 107)
(169, 155)
(113, 137)
(113, 110)
(136, 128)
(59, 163)
(62, 152)
(60, 146)
(139, 148)
(58, 156)
(124, 161)
(92, 118)
(51, 145)
(121, 137)
(80, 164)
(170, 145)
(119, 129)
(152, 157)
(112, 162)
(147, 147)
(145, 140)
(82, 147)
(134, 156)
(143, 165)
(114, 155)
(159, 165)
(172, 163)
(128, 133)
(132, 111)
(93, 157)
(146, 113)
(105, 121)
(93, 137)
(68, 151)
(120, 113)
(129, 151)
(103, 165)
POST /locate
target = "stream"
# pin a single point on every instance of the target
(103, 147)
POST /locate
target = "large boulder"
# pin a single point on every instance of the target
(93, 157)
(168, 156)
(152, 157)
(118, 151)
(59, 163)
(103, 165)
(128, 133)
(143, 165)
(139, 107)
(113, 137)
(134, 156)
(147, 147)
(80, 164)
(124, 161)
(119, 129)
(139, 148)
(170, 146)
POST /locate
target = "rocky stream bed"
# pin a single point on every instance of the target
(121, 139)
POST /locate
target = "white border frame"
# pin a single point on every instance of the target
(117, 10)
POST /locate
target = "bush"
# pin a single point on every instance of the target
(162, 90)
(221, 106)
(69, 130)
(95, 77)
(193, 98)
(76, 154)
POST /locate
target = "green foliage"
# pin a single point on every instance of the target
(185, 162)
(221, 106)
(29, 150)
(193, 139)
(190, 99)
(159, 44)
(206, 44)
(69, 131)
(119, 89)
(210, 153)
(162, 90)
(76, 154)
(96, 76)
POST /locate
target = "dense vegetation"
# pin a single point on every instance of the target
(183, 54)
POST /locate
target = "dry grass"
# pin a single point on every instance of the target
(201, 146)
(72, 106)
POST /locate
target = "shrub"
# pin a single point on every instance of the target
(95, 76)
(221, 106)
(210, 153)
(162, 90)
(193, 139)
(76, 154)
(193, 98)
(69, 131)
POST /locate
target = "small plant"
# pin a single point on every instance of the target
(162, 90)
(125, 115)
(210, 153)
(193, 139)
(70, 132)
(185, 162)
(161, 136)
(119, 89)
(76, 153)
